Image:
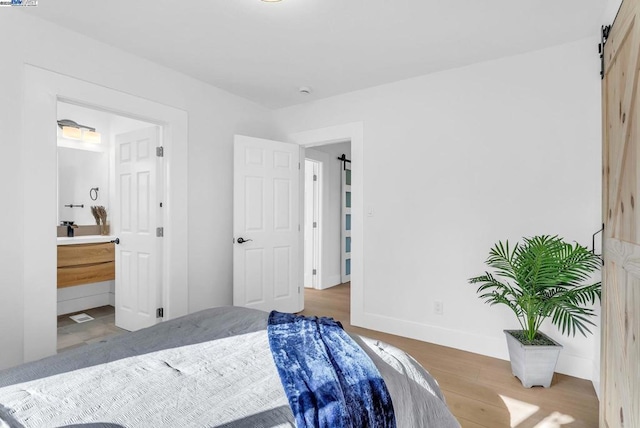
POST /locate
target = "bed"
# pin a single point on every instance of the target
(213, 368)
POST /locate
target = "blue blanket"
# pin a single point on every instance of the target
(329, 380)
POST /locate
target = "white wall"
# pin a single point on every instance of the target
(610, 12)
(214, 116)
(455, 161)
(331, 215)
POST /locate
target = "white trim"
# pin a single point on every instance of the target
(353, 132)
(331, 281)
(42, 91)
(572, 365)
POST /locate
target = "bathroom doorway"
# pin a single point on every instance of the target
(110, 191)
(43, 89)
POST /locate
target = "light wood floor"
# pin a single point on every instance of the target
(480, 391)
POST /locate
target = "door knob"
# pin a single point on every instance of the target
(241, 240)
(115, 241)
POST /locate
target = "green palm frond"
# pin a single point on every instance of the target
(540, 278)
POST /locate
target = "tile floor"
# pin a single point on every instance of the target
(72, 334)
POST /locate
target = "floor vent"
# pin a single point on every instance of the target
(81, 318)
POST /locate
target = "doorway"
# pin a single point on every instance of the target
(43, 90)
(331, 223)
(354, 133)
(95, 174)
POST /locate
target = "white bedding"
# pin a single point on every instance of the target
(226, 378)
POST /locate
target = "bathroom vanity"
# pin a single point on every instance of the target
(85, 260)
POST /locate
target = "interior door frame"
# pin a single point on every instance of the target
(42, 91)
(353, 132)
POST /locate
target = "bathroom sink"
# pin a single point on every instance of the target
(87, 239)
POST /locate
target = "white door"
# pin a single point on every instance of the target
(267, 246)
(311, 223)
(136, 219)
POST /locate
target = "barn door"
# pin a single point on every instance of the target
(620, 360)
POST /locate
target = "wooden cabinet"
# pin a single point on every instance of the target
(85, 263)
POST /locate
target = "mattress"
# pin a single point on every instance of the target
(213, 368)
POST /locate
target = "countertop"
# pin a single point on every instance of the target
(88, 239)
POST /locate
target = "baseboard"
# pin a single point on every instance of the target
(575, 365)
(596, 386)
(571, 365)
(331, 281)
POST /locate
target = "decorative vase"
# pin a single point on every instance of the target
(533, 364)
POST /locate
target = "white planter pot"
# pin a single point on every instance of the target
(533, 364)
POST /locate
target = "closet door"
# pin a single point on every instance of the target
(620, 358)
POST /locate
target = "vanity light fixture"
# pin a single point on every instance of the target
(75, 131)
(91, 136)
(71, 132)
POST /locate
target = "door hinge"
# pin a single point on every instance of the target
(159, 232)
(298, 165)
(160, 313)
(315, 177)
(314, 272)
(298, 289)
(604, 35)
(315, 224)
(160, 151)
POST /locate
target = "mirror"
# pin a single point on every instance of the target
(83, 164)
(80, 171)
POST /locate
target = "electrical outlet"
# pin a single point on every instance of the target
(438, 307)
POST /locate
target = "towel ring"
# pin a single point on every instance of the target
(92, 192)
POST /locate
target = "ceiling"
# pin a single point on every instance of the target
(265, 51)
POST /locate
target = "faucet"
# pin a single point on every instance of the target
(70, 227)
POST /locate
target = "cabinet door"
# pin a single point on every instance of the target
(83, 254)
(85, 263)
(69, 276)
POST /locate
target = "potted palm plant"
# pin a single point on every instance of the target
(540, 278)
